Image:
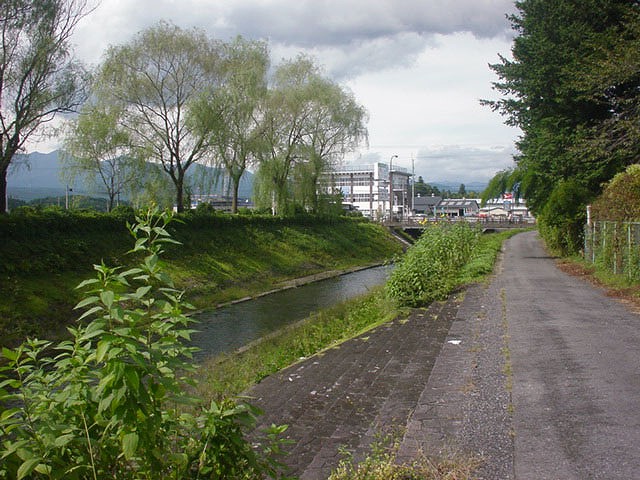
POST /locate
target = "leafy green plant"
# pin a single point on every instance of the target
(111, 402)
(429, 269)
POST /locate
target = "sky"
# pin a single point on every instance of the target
(419, 67)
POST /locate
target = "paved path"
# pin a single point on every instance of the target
(537, 372)
(576, 370)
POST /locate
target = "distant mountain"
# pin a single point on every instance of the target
(453, 186)
(37, 175)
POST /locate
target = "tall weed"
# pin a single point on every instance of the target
(429, 269)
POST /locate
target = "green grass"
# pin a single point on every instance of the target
(219, 260)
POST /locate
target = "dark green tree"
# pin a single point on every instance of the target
(551, 91)
(424, 189)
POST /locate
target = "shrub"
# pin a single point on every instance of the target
(561, 221)
(429, 269)
(111, 402)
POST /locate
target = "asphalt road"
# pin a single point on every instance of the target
(576, 372)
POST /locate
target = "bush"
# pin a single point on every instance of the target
(430, 267)
(561, 222)
(111, 402)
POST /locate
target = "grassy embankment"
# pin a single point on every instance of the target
(43, 256)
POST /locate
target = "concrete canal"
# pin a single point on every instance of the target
(228, 328)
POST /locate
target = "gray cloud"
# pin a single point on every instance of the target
(462, 163)
(343, 23)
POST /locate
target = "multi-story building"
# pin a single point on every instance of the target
(368, 189)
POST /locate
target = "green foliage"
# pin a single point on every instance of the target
(562, 220)
(620, 199)
(504, 181)
(38, 75)
(572, 87)
(222, 257)
(110, 402)
(424, 189)
(613, 248)
(430, 267)
(382, 464)
(309, 123)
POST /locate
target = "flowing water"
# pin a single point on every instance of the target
(228, 328)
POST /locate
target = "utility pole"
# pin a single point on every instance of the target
(413, 185)
(391, 186)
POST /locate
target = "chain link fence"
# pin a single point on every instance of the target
(614, 246)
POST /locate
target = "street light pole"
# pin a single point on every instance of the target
(413, 185)
(391, 186)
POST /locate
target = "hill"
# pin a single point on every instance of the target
(37, 175)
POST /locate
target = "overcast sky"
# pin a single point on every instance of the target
(419, 67)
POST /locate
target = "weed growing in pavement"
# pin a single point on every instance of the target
(382, 464)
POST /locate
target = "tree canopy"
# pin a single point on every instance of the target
(38, 76)
(156, 79)
(572, 87)
(176, 99)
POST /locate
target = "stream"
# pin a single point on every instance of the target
(231, 327)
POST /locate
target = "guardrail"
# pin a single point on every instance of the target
(414, 222)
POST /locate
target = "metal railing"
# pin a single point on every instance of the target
(615, 247)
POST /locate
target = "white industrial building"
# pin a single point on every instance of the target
(368, 188)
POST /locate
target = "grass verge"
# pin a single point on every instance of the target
(216, 263)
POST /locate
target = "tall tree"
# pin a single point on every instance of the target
(543, 95)
(336, 126)
(230, 114)
(96, 149)
(308, 124)
(157, 78)
(285, 122)
(38, 76)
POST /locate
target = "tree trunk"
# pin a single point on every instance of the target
(179, 199)
(234, 200)
(3, 191)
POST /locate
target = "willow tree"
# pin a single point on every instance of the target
(38, 76)
(308, 123)
(336, 126)
(230, 113)
(156, 79)
(96, 150)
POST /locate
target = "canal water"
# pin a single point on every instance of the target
(228, 328)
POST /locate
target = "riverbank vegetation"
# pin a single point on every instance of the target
(111, 402)
(232, 373)
(133, 417)
(46, 253)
